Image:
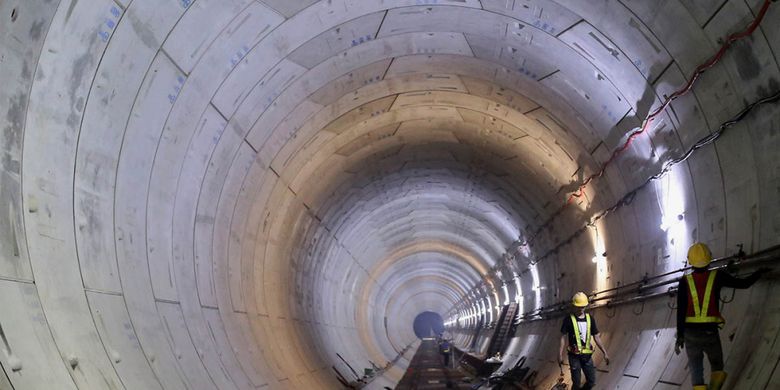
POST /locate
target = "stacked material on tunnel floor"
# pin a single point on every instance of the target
(427, 371)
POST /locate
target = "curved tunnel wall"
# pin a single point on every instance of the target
(226, 194)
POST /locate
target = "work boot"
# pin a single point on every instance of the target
(700, 387)
(717, 378)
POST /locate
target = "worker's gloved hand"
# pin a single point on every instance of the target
(678, 346)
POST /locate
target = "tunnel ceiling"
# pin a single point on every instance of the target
(229, 193)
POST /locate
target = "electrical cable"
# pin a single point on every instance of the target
(680, 92)
(639, 288)
(629, 197)
(668, 165)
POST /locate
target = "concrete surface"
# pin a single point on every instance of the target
(225, 194)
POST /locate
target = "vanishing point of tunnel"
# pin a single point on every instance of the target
(271, 194)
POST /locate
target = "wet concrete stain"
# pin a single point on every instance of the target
(77, 77)
(9, 236)
(26, 72)
(747, 63)
(70, 9)
(73, 120)
(15, 117)
(88, 204)
(772, 86)
(36, 29)
(12, 133)
(144, 32)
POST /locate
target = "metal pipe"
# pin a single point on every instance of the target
(350, 367)
(637, 287)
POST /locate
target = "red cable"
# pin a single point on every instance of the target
(682, 91)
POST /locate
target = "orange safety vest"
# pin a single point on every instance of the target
(702, 303)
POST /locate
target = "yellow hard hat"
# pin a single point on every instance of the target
(699, 255)
(579, 299)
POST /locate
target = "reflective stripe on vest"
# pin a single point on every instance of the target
(700, 310)
(580, 347)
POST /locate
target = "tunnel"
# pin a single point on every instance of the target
(265, 194)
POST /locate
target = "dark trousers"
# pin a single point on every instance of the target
(699, 341)
(446, 356)
(582, 362)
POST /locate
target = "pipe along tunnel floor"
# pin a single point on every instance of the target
(427, 371)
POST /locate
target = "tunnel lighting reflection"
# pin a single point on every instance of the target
(520, 304)
(518, 294)
(599, 257)
(485, 309)
(506, 294)
(524, 250)
(536, 286)
(666, 223)
(498, 302)
(671, 199)
(488, 309)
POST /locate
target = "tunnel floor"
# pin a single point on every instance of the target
(427, 371)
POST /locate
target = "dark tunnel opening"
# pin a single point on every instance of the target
(428, 324)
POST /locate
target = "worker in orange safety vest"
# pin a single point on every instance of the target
(699, 318)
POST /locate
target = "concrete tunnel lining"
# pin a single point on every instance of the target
(226, 194)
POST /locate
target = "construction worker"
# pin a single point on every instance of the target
(698, 315)
(578, 329)
(444, 350)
